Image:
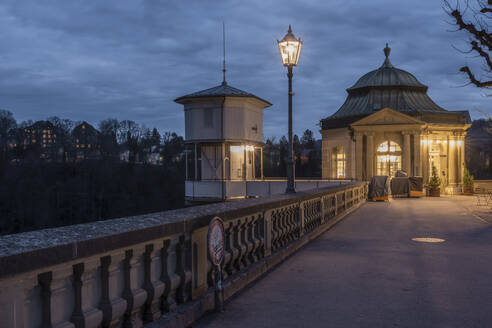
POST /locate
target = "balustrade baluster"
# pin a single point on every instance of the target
(154, 289)
(182, 269)
(259, 236)
(105, 304)
(237, 245)
(228, 254)
(274, 229)
(77, 317)
(245, 243)
(127, 292)
(44, 280)
(168, 297)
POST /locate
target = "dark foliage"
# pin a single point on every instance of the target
(40, 194)
(307, 154)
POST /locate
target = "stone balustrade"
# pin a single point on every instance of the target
(153, 269)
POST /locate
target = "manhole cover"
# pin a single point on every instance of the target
(428, 240)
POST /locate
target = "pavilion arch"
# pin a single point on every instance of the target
(388, 158)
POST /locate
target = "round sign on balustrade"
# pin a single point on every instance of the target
(215, 240)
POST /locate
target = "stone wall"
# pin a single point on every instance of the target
(153, 269)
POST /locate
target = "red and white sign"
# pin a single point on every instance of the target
(215, 240)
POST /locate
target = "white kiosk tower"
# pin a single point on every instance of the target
(224, 140)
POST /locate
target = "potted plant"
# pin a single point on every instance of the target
(434, 185)
(467, 183)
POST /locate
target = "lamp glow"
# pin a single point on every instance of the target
(451, 143)
(290, 49)
(460, 143)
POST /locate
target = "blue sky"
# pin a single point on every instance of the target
(90, 60)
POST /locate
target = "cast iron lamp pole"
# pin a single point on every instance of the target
(290, 48)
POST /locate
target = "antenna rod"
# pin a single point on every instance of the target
(224, 54)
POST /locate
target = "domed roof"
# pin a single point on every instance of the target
(387, 75)
(384, 87)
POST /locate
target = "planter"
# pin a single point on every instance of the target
(468, 190)
(434, 192)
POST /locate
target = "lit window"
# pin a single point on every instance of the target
(33, 140)
(340, 162)
(388, 158)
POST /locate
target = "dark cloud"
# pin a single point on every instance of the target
(89, 60)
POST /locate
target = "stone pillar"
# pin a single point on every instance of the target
(406, 153)
(417, 163)
(370, 155)
(424, 157)
(461, 158)
(452, 160)
(358, 155)
(352, 158)
(325, 159)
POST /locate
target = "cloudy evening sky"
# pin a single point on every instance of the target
(90, 60)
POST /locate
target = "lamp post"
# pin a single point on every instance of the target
(290, 48)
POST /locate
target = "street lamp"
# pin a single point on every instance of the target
(290, 48)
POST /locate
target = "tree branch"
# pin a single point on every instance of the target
(480, 84)
(482, 53)
(481, 35)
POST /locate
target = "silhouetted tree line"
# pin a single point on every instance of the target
(307, 156)
(39, 191)
(60, 172)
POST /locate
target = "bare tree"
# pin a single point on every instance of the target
(475, 19)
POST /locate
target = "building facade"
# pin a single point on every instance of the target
(224, 142)
(389, 123)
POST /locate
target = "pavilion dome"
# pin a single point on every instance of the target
(386, 86)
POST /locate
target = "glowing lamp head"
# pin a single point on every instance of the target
(290, 49)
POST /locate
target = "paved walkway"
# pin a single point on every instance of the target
(367, 272)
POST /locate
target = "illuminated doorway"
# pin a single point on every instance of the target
(388, 157)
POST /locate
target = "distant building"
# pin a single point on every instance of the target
(42, 136)
(389, 123)
(86, 142)
(479, 149)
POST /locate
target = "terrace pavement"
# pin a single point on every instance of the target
(368, 272)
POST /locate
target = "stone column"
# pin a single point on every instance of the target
(370, 155)
(417, 164)
(352, 158)
(359, 138)
(406, 152)
(452, 161)
(461, 158)
(424, 157)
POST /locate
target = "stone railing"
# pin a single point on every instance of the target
(153, 269)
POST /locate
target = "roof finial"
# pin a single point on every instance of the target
(387, 50)
(290, 29)
(387, 63)
(224, 53)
